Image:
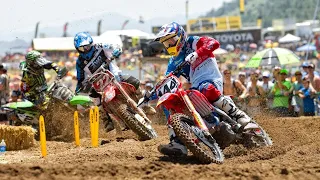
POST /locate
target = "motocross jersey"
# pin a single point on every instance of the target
(87, 66)
(33, 80)
(205, 68)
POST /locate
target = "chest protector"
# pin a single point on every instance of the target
(99, 59)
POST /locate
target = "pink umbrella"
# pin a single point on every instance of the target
(253, 46)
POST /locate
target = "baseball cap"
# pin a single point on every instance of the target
(311, 65)
(305, 64)
(149, 85)
(266, 74)
(284, 71)
(277, 68)
(241, 73)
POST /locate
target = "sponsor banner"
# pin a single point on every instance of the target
(234, 37)
(211, 24)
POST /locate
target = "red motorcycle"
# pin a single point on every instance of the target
(190, 117)
(118, 100)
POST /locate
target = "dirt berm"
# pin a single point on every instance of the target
(294, 155)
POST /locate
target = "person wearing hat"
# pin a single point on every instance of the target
(275, 73)
(296, 100)
(242, 78)
(266, 85)
(308, 94)
(305, 66)
(281, 92)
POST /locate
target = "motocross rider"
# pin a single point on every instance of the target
(202, 72)
(91, 57)
(33, 82)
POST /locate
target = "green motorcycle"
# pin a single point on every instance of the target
(58, 96)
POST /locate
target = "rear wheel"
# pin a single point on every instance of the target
(256, 137)
(185, 130)
(144, 131)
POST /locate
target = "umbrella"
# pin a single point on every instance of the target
(220, 51)
(253, 46)
(273, 57)
(289, 38)
(307, 47)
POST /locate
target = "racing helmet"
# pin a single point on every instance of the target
(83, 42)
(31, 58)
(173, 37)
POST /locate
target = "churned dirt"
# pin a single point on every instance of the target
(294, 155)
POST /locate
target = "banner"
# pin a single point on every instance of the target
(212, 24)
(241, 6)
(234, 37)
(65, 29)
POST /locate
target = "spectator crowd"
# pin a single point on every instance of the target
(275, 91)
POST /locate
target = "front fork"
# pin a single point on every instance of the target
(130, 101)
(197, 118)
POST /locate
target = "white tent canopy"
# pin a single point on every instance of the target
(220, 51)
(66, 43)
(289, 38)
(130, 33)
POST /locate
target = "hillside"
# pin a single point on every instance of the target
(268, 10)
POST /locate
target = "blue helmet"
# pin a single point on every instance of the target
(83, 42)
(173, 37)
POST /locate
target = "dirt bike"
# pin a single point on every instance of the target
(199, 125)
(27, 113)
(118, 101)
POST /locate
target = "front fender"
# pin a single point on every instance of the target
(170, 101)
(80, 100)
(16, 105)
(109, 93)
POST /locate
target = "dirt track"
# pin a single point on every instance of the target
(295, 155)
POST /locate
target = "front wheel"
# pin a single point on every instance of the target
(206, 151)
(136, 124)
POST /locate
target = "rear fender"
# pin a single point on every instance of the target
(252, 128)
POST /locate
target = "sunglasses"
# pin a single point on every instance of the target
(283, 74)
(226, 73)
(298, 74)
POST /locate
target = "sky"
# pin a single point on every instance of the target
(22, 15)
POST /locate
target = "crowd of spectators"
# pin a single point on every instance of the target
(275, 90)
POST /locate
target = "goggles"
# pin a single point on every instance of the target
(85, 48)
(171, 42)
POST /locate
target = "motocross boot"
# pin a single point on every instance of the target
(149, 110)
(175, 147)
(226, 104)
(108, 126)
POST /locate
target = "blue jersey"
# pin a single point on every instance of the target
(88, 63)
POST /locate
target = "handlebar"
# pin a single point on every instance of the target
(146, 98)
